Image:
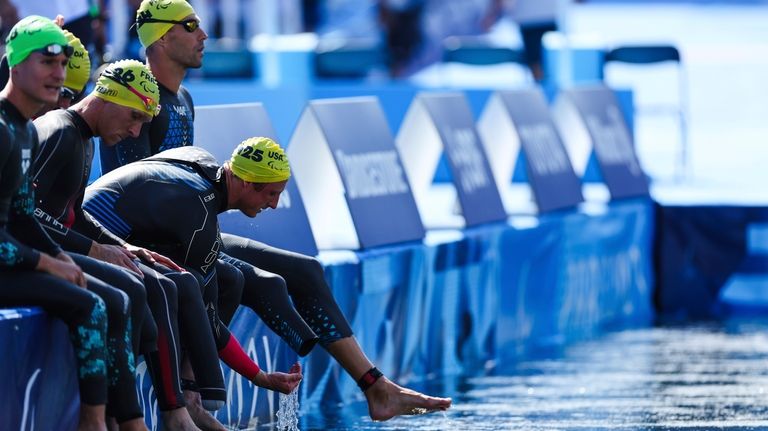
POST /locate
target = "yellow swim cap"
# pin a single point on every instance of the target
(129, 83)
(260, 160)
(79, 67)
(155, 17)
(31, 34)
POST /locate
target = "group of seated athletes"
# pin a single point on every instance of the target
(135, 264)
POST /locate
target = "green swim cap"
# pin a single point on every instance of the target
(152, 11)
(129, 83)
(30, 34)
(260, 160)
(79, 67)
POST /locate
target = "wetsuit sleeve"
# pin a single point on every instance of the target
(12, 252)
(49, 162)
(81, 236)
(46, 169)
(89, 227)
(69, 239)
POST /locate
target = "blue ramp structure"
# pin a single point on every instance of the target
(442, 123)
(517, 130)
(352, 179)
(591, 121)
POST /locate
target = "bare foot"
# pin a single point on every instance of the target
(202, 418)
(387, 400)
(178, 420)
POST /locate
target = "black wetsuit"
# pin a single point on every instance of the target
(182, 224)
(189, 207)
(61, 172)
(272, 276)
(21, 237)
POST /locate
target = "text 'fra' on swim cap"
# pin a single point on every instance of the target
(129, 83)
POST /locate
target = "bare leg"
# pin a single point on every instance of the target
(112, 424)
(385, 398)
(92, 418)
(201, 417)
(134, 425)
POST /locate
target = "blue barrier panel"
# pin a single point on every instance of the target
(38, 372)
(573, 275)
(702, 249)
(520, 120)
(461, 293)
(448, 115)
(219, 129)
(459, 303)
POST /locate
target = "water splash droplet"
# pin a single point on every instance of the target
(287, 411)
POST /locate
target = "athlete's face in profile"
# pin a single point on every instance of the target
(186, 47)
(118, 122)
(40, 77)
(258, 197)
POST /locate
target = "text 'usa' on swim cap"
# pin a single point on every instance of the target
(129, 83)
(30, 34)
(152, 13)
(260, 160)
(79, 66)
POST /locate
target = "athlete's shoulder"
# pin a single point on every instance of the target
(5, 136)
(196, 157)
(56, 124)
(184, 93)
(185, 97)
(188, 154)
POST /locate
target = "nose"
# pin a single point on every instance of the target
(273, 203)
(134, 130)
(203, 34)
(60, 71)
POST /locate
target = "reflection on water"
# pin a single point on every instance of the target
(695, 377)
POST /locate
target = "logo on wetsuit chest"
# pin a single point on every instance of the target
(181, 110)
(26, 155)
(209, 198)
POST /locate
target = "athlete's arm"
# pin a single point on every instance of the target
(12, 252)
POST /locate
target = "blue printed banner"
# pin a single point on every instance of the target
(352, 178)
(219, 129)
(38, 372)
(517, 123)
(611, 141)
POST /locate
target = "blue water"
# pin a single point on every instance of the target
(693, 377)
